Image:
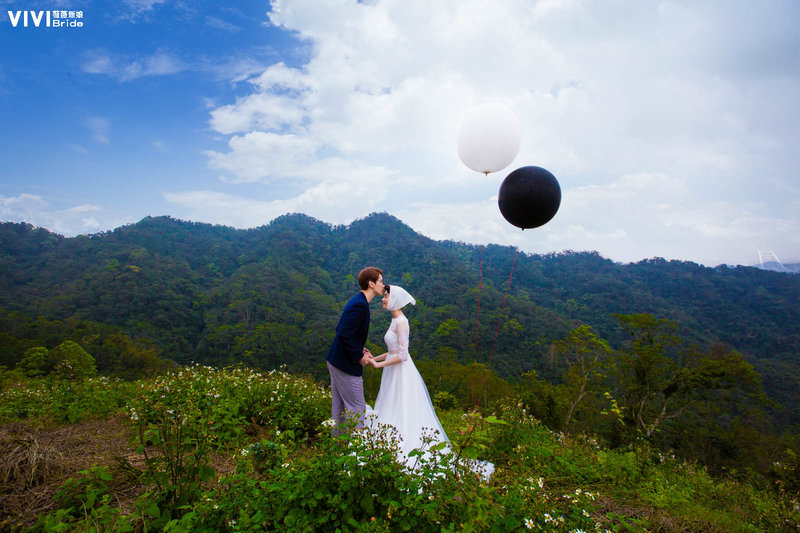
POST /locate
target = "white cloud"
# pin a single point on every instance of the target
(71, 221)
(139, 6)
(98, 62)
(618, 221)
(137, 10)
(476, 222)
(23, 204)
(100, 128)
(644, 216)
(280, 76)
(334, 201)
(218, 23)
(221, 208)
(158, 64)
(78, 148)
(256, 112)
(259, 155)
(125, 69)
(672, 126)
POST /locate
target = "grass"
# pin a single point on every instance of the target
(41, 459)
(73, 463)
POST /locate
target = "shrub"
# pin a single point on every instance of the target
(349, 482)
(72, 362)
(443, 400)
(84, 504)
(64, 400)
(35, 362)
(23, 399)
(185, 414)
(98, 397)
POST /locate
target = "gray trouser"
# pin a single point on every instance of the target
(348, 396)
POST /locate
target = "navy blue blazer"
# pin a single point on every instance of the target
(351, 336)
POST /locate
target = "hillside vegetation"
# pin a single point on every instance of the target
(200, 449)
(657, 358)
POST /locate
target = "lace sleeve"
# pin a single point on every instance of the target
(402, 339)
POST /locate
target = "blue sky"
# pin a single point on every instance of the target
(672, 126)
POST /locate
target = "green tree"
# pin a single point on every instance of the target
(584, 353)
(540, 398)
(72, 362)
(472, 384)
(725, 424)
(645, 373)
(658, 379)
(35, 362)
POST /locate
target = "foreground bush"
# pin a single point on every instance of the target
(287, 472)
(184, 415)
(354, 482)
(63, 400)
(662, 483)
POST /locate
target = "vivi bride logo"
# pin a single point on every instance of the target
(49, 19)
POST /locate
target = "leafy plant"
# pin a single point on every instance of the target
(84, 503)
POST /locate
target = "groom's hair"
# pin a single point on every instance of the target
(367, 275)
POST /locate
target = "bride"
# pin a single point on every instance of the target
(403, 400)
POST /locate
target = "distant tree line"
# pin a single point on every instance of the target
(670, 351)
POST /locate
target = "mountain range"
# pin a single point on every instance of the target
(271, 296)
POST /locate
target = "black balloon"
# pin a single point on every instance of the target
(529, 197)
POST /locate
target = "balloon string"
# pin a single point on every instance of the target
(477, 327)
(500, 318)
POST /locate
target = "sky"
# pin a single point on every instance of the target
(673, 127)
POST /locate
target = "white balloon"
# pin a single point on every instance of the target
(489, 138)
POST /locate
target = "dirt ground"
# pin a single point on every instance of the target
(35, 462)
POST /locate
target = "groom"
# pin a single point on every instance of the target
(346, 357)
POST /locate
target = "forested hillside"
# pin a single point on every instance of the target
(166, 290)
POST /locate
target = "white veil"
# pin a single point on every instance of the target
(399, 298)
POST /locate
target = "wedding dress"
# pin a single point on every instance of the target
(403, 400)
